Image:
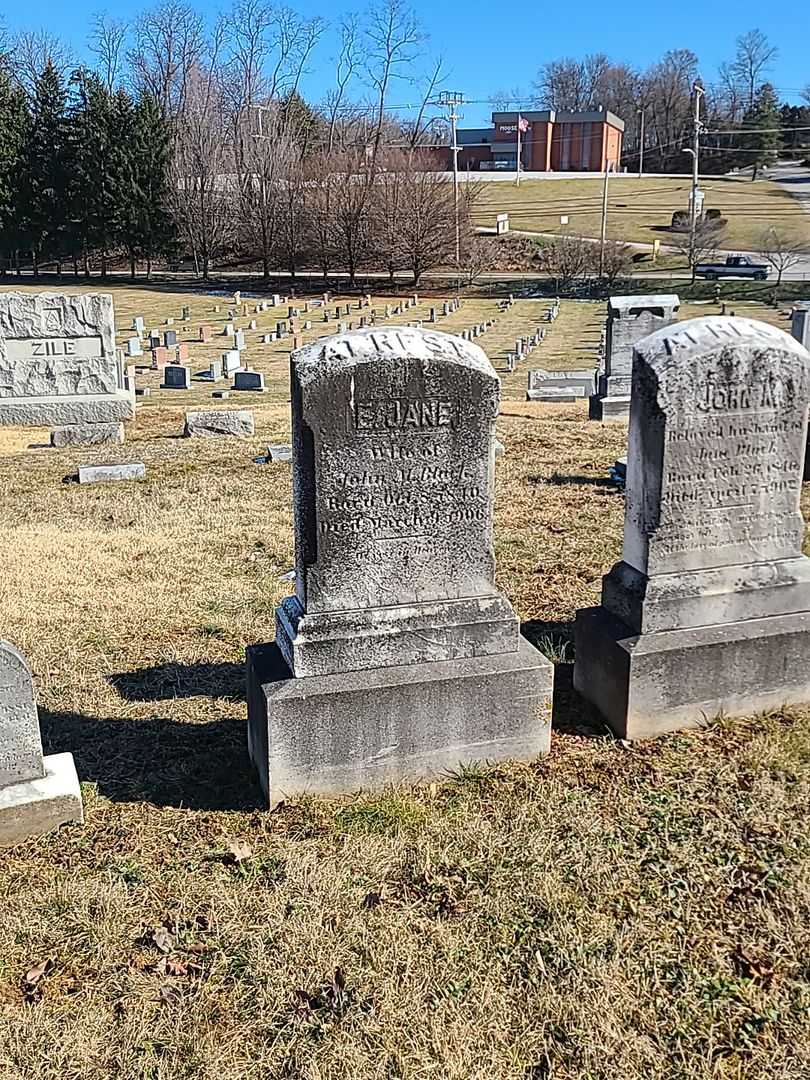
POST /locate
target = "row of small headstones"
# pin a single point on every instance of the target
(178, 376)
(525, 345)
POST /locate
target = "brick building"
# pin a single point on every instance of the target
(549, 142)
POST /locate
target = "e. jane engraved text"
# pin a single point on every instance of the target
(404, 414)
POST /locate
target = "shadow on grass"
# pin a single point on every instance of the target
(570, 712)
(158, 761)
(166, 681)
(560, 480)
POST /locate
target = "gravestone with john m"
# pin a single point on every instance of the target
(397, 655)
(709, 609)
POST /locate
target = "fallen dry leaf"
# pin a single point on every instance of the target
(239, 851)
(36, 973)
(163, 939)
(170, 995)
(173, 965)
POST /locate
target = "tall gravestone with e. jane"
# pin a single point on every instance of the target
(709, 610)
(58, 363)
(397, 655)
(36, 793)
(630, 319)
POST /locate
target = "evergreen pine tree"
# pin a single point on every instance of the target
(44, 183)
(762, 143)
(150, 224)
(93, 210)
(14, 125)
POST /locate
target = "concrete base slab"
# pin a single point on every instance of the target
(88, 435)
(329, 734)
(609, 408)
(67, 409)
(37, 806)
(333, 642)
(648, 684)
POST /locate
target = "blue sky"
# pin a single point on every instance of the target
(490, 47)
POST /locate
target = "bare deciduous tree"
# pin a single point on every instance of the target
(434, 80)
(352, 224)
(708, 239)
(781, 251)
(616, 261)
(392, 39)
(479, 254)
(107, 40)
(346, 66)
(204, 183)
(32, 51)
(169, 44)
(425, 229)
(567, 258)
(755, 56)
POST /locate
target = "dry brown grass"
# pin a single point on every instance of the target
(609, 912)
(640, 210)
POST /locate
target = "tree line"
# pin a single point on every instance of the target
(191, 141)
(743, 119)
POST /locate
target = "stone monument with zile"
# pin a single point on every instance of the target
(397, 656)
(709, 609)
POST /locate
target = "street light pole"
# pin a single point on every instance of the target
(641, 145)
(451, 99)
(603, 235)
(695, 152)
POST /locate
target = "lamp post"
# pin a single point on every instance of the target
(694, 150)
(451, 99)
(641, 144)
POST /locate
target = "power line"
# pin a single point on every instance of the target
(756, 131)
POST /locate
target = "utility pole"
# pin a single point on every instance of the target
(603, 235)
(517, 159)
(641, 144)
(698, 91)
(451, 99)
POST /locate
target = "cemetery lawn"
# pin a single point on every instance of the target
(640, 210)
(634, 911)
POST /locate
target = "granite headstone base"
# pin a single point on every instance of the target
(329, 734)
(34, 807)
(325, 643)
(647, 684)
(88, 435)
(609, 408)
(60, 411)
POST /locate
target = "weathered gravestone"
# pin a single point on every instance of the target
(58, 363)
(560, 385)
(709, 609)
(630, 318)
(397, 655)
(208, 423)
(248, 380)
(36, 793)
(801, 331)
(800, 324)
(176, 377)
